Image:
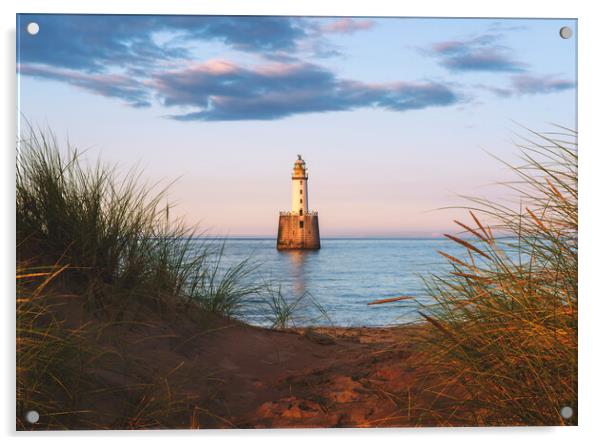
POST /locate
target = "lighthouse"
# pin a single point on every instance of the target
(299, 229)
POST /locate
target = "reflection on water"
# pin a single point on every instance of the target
(296, 261)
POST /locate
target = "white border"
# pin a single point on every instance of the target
(590, 214)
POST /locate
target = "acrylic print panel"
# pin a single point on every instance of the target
(267, 222)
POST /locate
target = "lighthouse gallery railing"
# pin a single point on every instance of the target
(312, 213)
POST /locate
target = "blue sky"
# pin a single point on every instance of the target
(393, 115)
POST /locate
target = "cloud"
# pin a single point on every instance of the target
(498, 91)
(485, 53)
(262, 34)
(481, 53)
(92, 43)
(123, 87)
(134, 59)
(220, 90)
(507, 25)
(346, 26)
(95, 42)
(224, 91)
(526, 84)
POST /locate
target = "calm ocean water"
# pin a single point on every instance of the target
(344, 276)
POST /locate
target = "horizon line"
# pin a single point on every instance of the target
(342, 237)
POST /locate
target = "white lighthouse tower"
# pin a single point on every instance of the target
(299, 197)
(299, 228)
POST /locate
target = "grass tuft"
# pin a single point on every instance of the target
(505, 319)
(289, 312)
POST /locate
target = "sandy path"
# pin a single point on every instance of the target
(311, 378)
(201, 371)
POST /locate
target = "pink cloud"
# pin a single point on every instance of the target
(215, 67)
(347, 26)
(221, 90)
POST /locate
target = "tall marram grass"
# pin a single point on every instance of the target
(114, 233)
(505, 321)
(87, 233)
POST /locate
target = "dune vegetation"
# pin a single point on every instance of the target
(106, 245)
(505, 318)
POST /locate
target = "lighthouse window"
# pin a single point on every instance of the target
(300, 224)
(300, 192)
(300, 201)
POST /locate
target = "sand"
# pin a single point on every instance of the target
(186, 369)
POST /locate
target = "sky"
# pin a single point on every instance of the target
(395, 117)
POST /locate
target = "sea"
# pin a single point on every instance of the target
(333, 285)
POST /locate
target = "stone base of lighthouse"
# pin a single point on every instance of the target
(298, 232)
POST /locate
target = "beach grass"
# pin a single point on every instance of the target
(89, 237)
(505, 318)
(285, 312)
(115, 235)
